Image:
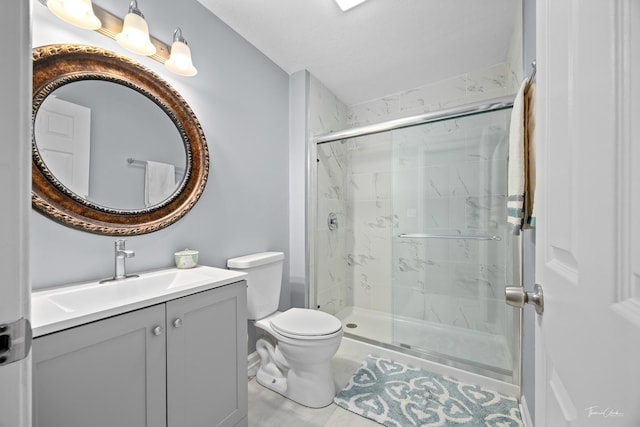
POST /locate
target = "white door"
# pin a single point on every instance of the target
(15, 201)
(588, 235)
(63, 133)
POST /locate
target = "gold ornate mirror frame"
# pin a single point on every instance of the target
(58, 65)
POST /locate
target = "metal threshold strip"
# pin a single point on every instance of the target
(448, 236)
(450, 113)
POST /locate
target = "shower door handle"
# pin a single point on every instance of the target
(518, 297)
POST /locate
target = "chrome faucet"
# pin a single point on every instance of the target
(121, 254)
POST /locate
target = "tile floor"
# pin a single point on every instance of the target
(269, 409)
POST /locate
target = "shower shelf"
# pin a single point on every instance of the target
(448, 236)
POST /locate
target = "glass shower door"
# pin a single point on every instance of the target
(450, 243)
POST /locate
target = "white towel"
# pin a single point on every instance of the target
(521, 183)
(159, 182)
(530, 190)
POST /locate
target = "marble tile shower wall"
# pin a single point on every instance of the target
(334, 287)
(515, 53)
(371, 221)
(492, 82)
(326, 114)
(380, 209)
(355, 181)
(450, 179)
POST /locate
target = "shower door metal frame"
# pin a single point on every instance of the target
(495, 104)
(486, 106)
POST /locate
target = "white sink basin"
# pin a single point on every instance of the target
(95, 294)
(58, 308)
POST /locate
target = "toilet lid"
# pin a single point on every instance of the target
(306, 322)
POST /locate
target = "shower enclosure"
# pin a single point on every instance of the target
(410, 247)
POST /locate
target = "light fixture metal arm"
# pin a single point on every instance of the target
(177, 36)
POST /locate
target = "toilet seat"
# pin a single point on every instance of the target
(306, 324)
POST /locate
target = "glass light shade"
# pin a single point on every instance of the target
(135, 35)
(179, 61)
(75, 12)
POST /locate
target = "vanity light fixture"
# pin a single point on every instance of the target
(76, 12)
(180, 60)
(132, 33)
(135, 32)
(348, 4)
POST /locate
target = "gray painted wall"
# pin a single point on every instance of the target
(241, 99)
(124, 124)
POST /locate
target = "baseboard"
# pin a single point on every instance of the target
(524, 412)
(253, 363)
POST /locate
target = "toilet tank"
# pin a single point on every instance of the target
(263, 282)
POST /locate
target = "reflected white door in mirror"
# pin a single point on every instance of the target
(63, 132)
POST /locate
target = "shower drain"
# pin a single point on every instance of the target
(351, 325)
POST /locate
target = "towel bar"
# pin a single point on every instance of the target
(136, 162)
(448, 236)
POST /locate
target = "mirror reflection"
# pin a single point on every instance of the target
(110, 145)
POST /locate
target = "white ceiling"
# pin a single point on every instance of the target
(378, 48)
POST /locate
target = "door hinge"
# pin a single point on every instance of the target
(15, 341)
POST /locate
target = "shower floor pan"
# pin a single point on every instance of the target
(479, 352)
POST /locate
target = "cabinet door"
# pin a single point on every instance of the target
(207, 358)
(103, 374)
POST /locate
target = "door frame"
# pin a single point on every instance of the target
(15, 193)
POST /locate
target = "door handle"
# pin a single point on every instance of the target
(517, 297)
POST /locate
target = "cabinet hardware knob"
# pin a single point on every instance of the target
(177, 322)
(157, 330)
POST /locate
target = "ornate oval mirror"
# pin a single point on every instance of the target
(116, 150)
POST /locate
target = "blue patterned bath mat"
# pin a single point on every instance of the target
(397, 395)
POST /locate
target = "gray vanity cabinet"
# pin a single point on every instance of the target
(207, 358)
(107, 373)
(176, 364)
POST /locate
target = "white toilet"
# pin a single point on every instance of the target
(299, 366)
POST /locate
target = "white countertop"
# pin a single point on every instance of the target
(62, 307)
